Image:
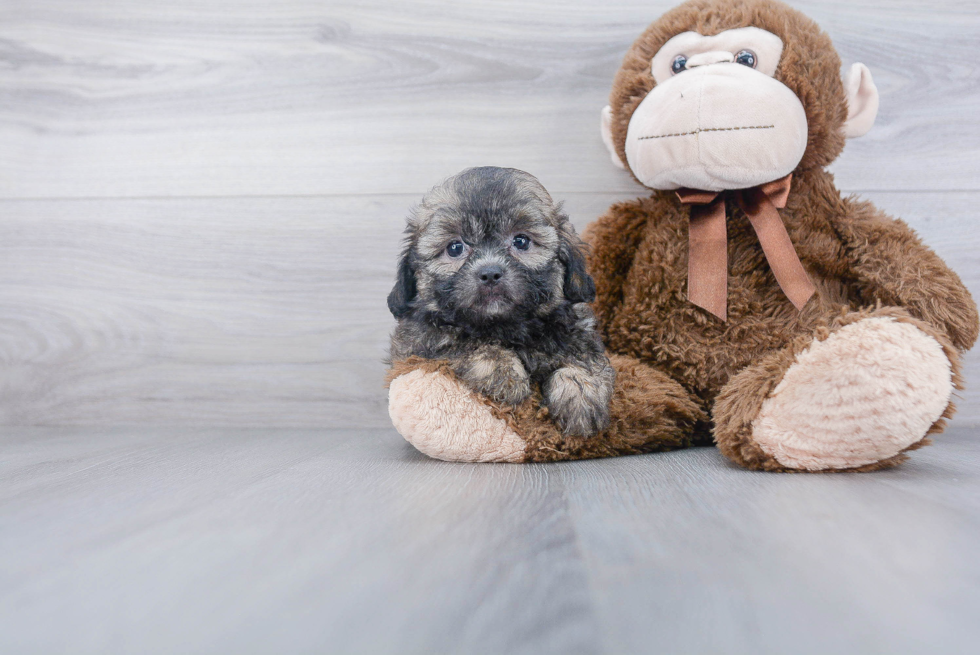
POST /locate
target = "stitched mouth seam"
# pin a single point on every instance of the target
(710, 129)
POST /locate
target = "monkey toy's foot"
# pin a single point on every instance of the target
(445, 420)
(855, 397)
(441, 416)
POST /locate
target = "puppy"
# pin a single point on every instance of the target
(492, 279)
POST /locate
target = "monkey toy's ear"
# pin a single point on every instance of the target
(404, 290)
(862, 101)
(579, 286)
(605, 128)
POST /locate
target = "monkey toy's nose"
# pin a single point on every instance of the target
(490, 274)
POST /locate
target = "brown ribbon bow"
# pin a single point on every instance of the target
(707, 268)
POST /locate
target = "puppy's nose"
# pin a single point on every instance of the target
(490, 273)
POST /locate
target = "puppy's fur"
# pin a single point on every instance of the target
(493, 279)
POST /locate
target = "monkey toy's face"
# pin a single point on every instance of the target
(715, 112)
(716, 119)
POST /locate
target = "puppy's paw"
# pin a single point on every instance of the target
(497, 374)
(578, 399)
(507, 387)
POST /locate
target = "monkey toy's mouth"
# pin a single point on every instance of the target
(708, 129)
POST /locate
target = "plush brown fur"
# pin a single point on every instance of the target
(855, 255)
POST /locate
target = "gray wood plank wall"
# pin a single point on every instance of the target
(200, 202)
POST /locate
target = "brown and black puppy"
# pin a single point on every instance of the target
(492, 279)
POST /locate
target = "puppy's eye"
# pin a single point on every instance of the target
(679, 64)
(522, 242)
(746, 58)
(455, 249)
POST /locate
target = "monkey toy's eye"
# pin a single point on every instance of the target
(455, 249)
(746, 58)
(522, 242)
(679, 64)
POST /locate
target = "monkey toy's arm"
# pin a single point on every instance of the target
(894, 267)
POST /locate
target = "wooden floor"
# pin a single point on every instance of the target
(349, 541)
(200, 206)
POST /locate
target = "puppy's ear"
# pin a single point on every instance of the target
(579, 286)
(405, 290)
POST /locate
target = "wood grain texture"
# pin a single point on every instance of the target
(225, 97)
(257, 541)
(249, 311)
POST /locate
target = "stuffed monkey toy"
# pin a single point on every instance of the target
(744, 303)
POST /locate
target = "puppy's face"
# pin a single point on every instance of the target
(490, 245)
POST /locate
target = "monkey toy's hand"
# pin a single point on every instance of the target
(496, 373)
(578, 398)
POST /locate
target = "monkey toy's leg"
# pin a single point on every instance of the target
(853, 396)
(440, 416)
